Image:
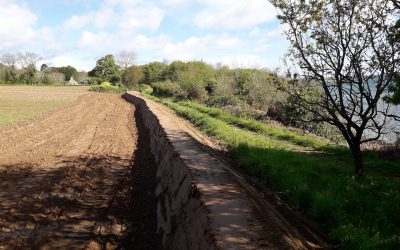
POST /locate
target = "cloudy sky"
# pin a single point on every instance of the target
(78, 32)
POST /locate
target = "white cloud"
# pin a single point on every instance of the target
(235, 14)
(16, 24)
(91, 40)
(64, 60)
(175, 3)
(147, 17)
(128, 15)
(196, 48)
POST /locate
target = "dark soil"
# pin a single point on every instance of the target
(143, 231)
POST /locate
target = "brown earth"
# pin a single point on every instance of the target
(66, 181)
(85, 178)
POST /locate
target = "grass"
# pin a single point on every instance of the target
(23, 103)
(355, 213)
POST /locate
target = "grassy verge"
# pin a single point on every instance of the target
(356, 214)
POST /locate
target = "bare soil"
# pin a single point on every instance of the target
(67, 181)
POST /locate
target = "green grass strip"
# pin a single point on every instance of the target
(356, 214)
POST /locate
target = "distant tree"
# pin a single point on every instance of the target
(173, 69)
(28, 75)
(132, 76)
(11, 76)
(55, 77)
(28, 59)
(68, 72)
(9, 60)
(126, 58)
(106, 70)
(43, 67)
(345, 51)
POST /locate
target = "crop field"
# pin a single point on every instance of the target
(23, 103)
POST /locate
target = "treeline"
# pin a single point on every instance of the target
(20, 68)
(243, 92)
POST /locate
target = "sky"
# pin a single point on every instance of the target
(238, 33)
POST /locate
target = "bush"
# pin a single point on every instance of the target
(132, 77)
(222, 101)
(146, 89)
(167, 89)
(107, 87)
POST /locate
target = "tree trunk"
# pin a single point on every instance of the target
(357, 156)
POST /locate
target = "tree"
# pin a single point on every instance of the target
(132, 76)
(28, 75)
(44, 67)
(395, 89)
(9, 59)
(106, 70)
(153, 72)
(27, 59)
(126, 58)
(68, 72)
(345, 51)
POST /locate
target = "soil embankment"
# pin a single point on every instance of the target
(203, 201)
(104, 174)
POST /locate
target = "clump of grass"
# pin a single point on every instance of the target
(356, 213)
(107, 87)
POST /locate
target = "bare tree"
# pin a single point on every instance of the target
(344, 50)
(28, 58)
(396, 3)
(126, 58)
(9, 59)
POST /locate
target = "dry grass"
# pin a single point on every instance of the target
(23, 103)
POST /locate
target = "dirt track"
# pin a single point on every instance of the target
(64, 180)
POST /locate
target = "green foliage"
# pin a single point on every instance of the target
(211, 86)
(173, 70)
(243, 80)
(28, 75)
(68, 72)
(192, 86)
(147, 89)
(153, 72)
(106, 70)
(222, 101)
(356, 214)
(107, 87)
(395, 92)
(11, 76)
(167, 89)
(132, 77)
(44, 67)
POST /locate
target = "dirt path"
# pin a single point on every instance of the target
(65, 181)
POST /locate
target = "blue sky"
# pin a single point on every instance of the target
(78, 32)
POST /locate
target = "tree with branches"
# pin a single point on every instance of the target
(345, 51)
(126, 59)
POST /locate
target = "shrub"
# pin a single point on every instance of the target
(146, 89)
(222, 101)
(211, 86)
(107, 87)
(167, 88)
